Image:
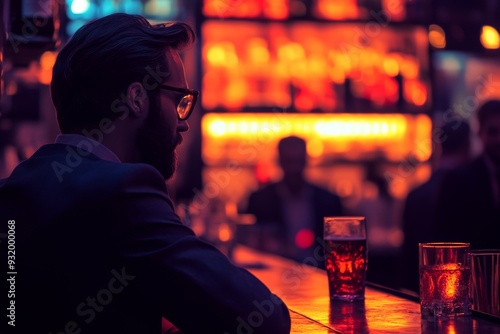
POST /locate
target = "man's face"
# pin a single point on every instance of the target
(490, 136)
(161, 131)
(292, 161)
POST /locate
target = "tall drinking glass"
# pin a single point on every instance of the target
(346, 257)
(486, 281)
(444, 279)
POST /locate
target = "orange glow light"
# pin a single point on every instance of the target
(395, 8)
(225, 232)
(258, 50)
(315, 148)
(338, 10)
(276, 9)
(415, 92)
(251, 137)
(437, 37)
(409, 69)
(490, 38)
(231, 8)
(391, 67)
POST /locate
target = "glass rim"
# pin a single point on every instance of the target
(485, 251)
(444, 244)
(345, 217)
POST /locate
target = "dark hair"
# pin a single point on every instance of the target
(486, 110)
(102, 59)
(456, 137)
(291, 141)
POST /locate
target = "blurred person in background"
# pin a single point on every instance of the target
(419, 214)
(384, 233)
(99, 248)
(469, 202)
(289, 213)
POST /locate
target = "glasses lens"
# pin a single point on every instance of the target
(184, 106)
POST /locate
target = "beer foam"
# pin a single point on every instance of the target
(344, 238)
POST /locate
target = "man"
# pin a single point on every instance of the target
(290, 212)
(99, 248)
(419, 215)
(469, 202)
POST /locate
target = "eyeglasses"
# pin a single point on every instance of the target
(185, 101)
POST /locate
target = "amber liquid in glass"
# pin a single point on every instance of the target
(346, 268)
(444, 290)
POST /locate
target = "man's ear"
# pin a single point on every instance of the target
(137, 99)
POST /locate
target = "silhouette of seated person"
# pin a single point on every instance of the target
(469, 203)
(419, 214)
(289, 213)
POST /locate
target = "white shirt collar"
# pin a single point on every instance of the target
(87, 144)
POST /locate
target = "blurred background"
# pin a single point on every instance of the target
(365, 82)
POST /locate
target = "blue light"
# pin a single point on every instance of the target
(79, 6)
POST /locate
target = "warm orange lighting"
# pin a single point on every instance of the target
(437, 36)
(449, 280)
(306, 64)
(231, 209)
(223, 55)
(304, 102)
(45, 76)
(337, 75)
(235, 94)
(276, 9)
(225, 232)
(48, 59)
(422, 150)
(409, 68)
(395, 9)
(451, 328)
(231, 8)
(315, 148)
(262, 173)
(317, 66)
(291, 52)
(490, 38)
(258, 51)
(251, 137)
(338, 9)
(415, 92)
(391, 67)
(344, 188)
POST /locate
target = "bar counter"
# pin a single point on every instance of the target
(305, 291)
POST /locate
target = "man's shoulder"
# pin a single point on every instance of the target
(268, 189)
(322, 192)
(66, 166)
(467, 175)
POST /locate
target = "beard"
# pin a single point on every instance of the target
(157, 142)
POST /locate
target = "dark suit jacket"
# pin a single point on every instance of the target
(466, 210)
(267, 206)
(104, 252)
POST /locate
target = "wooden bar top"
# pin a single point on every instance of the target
(304, 289)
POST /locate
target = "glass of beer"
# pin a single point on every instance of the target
(346, 257)
(445, 276)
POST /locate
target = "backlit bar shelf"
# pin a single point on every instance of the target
(250, 138)
(314, 67)
(340, 10)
